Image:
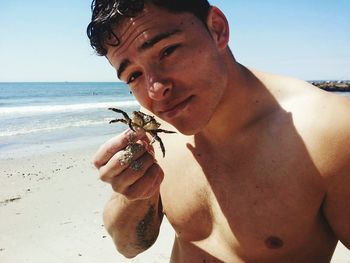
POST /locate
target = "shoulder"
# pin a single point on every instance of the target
(331, 120)
(324, 121)
(336, 143)
(321, 118)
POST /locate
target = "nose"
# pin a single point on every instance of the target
(159, 89)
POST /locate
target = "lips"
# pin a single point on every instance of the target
(175, 108)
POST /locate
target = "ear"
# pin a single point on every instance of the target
(218, 27)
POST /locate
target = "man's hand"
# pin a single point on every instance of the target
(127, 162)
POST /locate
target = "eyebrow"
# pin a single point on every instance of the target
(146, 45)
(154, 40)
(125, 63)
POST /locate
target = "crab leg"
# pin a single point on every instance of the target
(126, 116)
(119, 120)
(165, 131)
(157, 138)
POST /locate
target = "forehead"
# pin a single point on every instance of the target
(150, 22)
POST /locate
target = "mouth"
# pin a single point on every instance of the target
(173, 110)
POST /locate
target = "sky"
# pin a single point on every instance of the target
(45, 40)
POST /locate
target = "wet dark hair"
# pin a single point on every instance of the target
(106, 14)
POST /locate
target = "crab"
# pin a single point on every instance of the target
(147, 123)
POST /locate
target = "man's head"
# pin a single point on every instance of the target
(175, 62)
(107, 14)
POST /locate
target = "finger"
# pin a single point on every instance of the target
(112, 146)
(156, 183)
(132, 174)
(121, 160)
(147, 185)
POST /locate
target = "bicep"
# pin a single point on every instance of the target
(337, 206)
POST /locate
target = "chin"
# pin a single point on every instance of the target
(187, 132)
(190, 123)
(188, 129)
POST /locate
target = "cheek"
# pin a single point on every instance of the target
(142, 98)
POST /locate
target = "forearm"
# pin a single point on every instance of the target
(133, 225)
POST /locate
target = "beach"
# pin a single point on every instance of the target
(51, 211)
(51, 198)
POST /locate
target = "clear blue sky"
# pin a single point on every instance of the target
(43, 40)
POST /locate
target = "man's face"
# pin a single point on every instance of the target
(172, 65)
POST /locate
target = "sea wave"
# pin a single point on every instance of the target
(52, 127)
(46, 109)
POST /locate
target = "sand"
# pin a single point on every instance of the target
(51, 211)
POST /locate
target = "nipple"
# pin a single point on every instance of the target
(274, 242)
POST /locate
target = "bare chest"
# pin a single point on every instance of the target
(271, 204)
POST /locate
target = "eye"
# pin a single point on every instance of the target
(133, 77)
(168, 51)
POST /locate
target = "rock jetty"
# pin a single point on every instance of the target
(340, 85)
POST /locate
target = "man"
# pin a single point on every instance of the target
(259, 170)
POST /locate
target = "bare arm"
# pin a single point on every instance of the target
(337, 207)
(133, 225)
(134, 213)
(337, 202)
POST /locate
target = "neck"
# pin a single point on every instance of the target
(244, 102)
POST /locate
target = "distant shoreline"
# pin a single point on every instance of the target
(332, 85)
(328, 85)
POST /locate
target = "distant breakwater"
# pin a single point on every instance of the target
(340, 85)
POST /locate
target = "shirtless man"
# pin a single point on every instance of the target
(259, 170)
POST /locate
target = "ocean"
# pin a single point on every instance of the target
(43, 116)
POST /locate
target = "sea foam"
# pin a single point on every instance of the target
(51, 127)
(47, 109)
